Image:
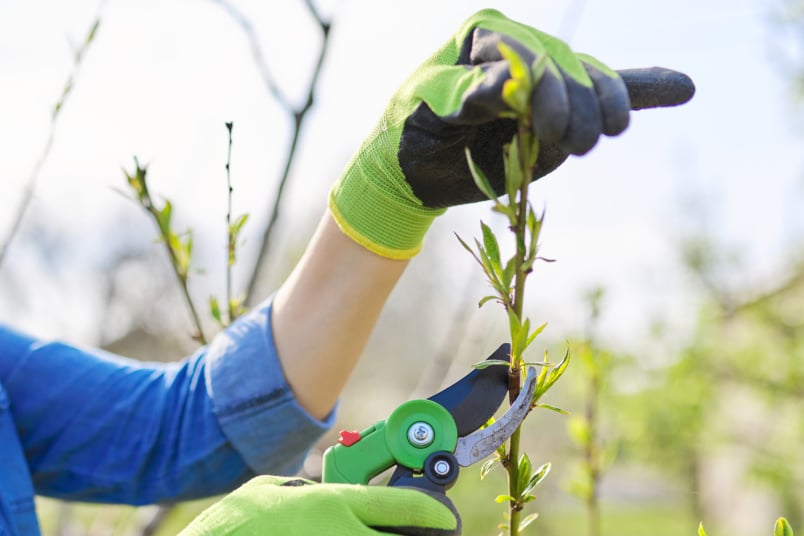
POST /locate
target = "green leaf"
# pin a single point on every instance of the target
(469, 249)
(182, 251)
(534, 226)
(506, 210)
(238, 224)
(515, 95)
(507, 275)
(514, 324)
(535, 222)
(487, 466)
(516, 90)
(186, 252)
(513, 170)
(553, 408)
(504, 498)
(164, 215)
(215, 309)
(517, 66)
(489, 269)
(527, 520)
(701, 531)
(782, 528)
(534, 152)
(518, 343)
(173, 242)
(479, 177)
(135, 183)
(557, 371)
(541, 381)
(189, 244)
(92, 32)
(236, 308)
(486, 299)
(491, 363)
(492, 247)
(535, 334)
(523, 474)
(536, 478)
(485, 261)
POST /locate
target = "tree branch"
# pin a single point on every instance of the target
(297, 114)
(30, 185)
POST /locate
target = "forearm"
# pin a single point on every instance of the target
(325, 312)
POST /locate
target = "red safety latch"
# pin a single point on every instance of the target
(348, 438)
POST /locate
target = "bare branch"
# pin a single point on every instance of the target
(30, 185)
(256, 50)
(299, 116)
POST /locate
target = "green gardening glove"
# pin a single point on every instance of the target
(413, 164)
(267, 506)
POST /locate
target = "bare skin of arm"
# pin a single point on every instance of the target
(325, 312)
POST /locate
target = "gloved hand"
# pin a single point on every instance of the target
(413, 164)
(267, 506)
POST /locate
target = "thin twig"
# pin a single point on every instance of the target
(515, 372)
(30, 185)
(231, 237)
(139, 182)
(298, 114)
(256, 51)
(571, 20)
(298, 121)
(593, 448)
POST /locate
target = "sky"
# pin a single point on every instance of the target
(162, 78)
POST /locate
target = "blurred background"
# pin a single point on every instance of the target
(678, 286)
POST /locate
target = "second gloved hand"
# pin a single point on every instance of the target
(267, 506)
(413, 164)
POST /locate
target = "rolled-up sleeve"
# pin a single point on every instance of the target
(257, 410)
(99, 427)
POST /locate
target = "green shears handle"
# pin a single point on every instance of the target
(414, 431)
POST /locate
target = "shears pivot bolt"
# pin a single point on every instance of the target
(420, 434)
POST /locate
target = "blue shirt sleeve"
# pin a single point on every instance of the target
(99, 427)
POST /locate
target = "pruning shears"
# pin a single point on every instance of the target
(428, 440)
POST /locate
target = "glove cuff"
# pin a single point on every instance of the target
(369, 207)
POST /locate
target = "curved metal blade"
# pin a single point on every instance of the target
(477, 445)
(474, 399)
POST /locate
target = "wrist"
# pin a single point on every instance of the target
(374, 206)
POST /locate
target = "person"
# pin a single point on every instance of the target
(80, 424)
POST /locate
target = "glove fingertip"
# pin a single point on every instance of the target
(657, 87)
